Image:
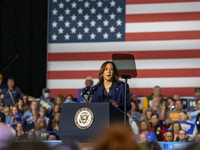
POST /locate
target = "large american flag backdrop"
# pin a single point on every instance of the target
(163, 36)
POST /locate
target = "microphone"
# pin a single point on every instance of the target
(84, 93)
(93, 89)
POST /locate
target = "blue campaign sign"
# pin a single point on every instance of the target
(188, 127)
(191, 104)
(164, 145)
(173, 145)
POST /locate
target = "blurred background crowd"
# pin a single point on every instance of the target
(155, 118)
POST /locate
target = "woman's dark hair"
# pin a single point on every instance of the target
(102, 69)
(137, 109)
(176, 122)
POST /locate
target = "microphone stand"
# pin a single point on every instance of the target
(125, 77)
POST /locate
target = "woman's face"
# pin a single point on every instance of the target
(143, 126)
(14, 110)
(176, 128)
(182, 117)
(57, 108)
(34, 105)
(108, 72)
(58, 101)
(20, 103)
(156, 102)
(19, 127)
(170, 103)
(57, 117)
(42, 123)
(25, 99)
(133, 106)
(149, 113)
(42, 112)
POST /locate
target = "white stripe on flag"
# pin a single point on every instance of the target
(163, 26)
(133, 83)
(140, 64)
(125, 46)
(162, 8)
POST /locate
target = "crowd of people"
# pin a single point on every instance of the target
(160, 119)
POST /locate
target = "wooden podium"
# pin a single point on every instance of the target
(85, 121)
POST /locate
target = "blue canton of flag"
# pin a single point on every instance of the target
(86, 21)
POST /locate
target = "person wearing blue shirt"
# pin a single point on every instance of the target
(144, 128)
(110, 88)
(11, 94)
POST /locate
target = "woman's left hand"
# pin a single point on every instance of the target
(113, 103)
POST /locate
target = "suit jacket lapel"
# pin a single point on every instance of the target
(116, 89)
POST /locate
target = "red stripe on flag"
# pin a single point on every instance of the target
(140, 92)
(157, 1)
(151, 36)
(162, 17)
(87, 56)
(147, 73)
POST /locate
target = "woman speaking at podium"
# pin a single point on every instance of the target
(110, 88)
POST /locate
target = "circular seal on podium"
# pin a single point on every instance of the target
(84, 118)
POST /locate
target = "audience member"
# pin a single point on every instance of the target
(176, 97)
(178, 106)
(20, 106)
(117, 138)
(69, 99)
(19, 130)
(17, 119)
(143, 137)
(134, 114)
(148, 100)
(157, 128)
(52, 136)
(183, 116)
(46, 101)
(176, 127)
(155, 107)
(58, 100)
(7, 135)
(88, 82)
(144, 128)
(197, 105)
(41, 129)
(147, 116)
(54, 124)
(31, 125)
(11, 94)
(26, 102)
(42, 113)
(31, 135)
(27, 118)
(197, 93)
(56, 109)
(182, 136)
(169, 136)
(169, 106)
(10, 118)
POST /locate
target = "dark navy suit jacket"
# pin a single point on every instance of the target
(118, 94)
